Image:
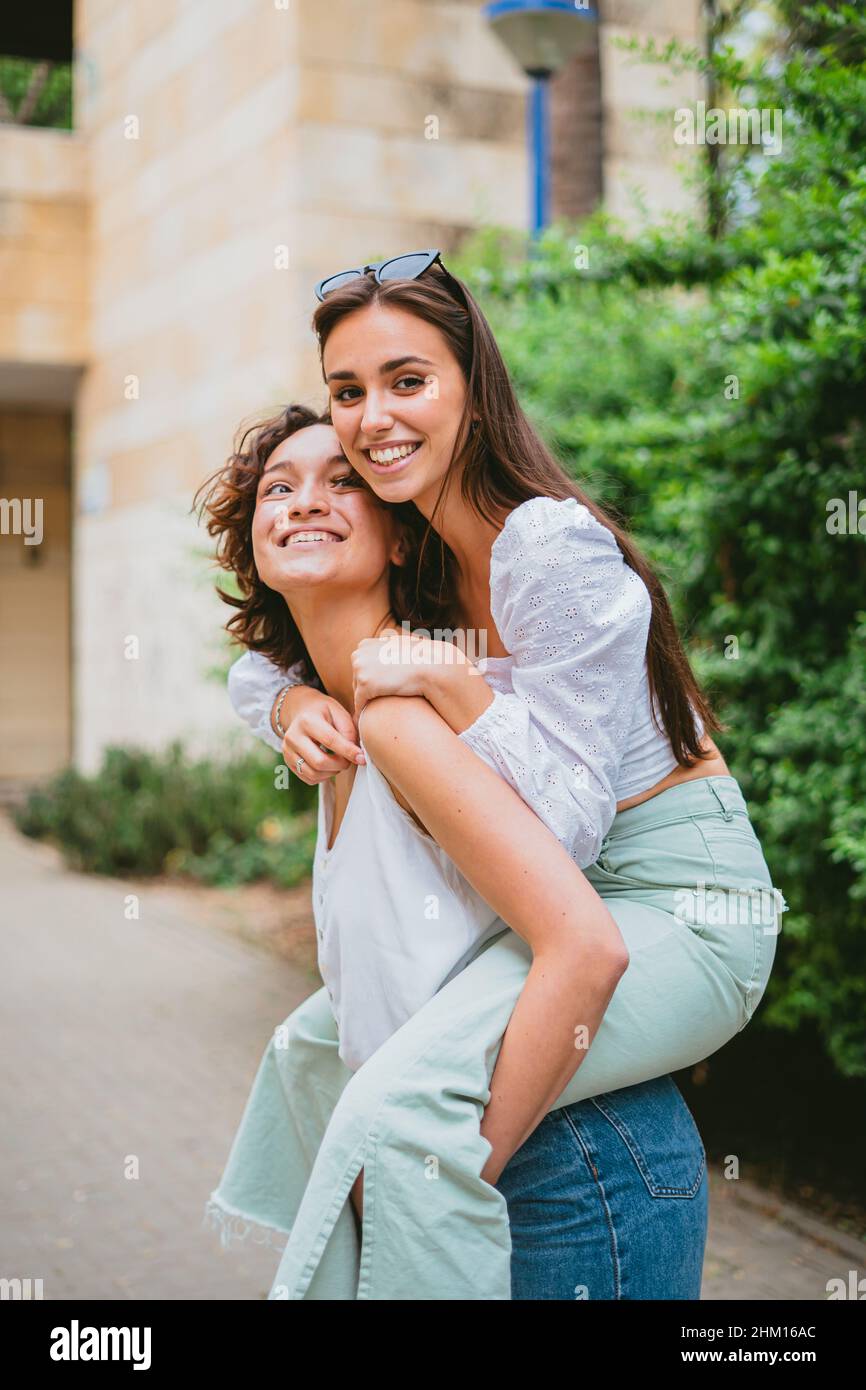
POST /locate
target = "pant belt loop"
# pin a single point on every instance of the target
(728, 813)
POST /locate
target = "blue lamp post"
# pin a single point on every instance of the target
(542, 35)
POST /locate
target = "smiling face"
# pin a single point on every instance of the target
(397, 401)
(315, 521)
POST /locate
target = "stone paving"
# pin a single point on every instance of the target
(129, 1048)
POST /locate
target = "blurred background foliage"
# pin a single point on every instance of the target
(221, 822)
(35, 92)
(706, 381)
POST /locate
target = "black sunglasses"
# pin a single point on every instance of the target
(406, 267)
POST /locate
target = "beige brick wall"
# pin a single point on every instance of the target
(257, 128)
(43, 246)
(192, 326)
(642, 163)
(153, 260)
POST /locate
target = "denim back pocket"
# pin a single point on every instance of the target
(668, 856)
(735, 852)
(740, 871)
(659, 1132)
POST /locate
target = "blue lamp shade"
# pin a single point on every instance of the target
(542, 34)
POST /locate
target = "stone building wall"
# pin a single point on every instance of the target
(161, 258)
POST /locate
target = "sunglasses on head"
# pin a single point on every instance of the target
(406, 267)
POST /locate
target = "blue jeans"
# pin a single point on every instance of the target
(608, 1199)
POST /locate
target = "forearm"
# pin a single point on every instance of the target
(458, 692)
(526, 876)
(286, 704)
(554, 1021)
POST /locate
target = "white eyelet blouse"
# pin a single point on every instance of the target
(570, 726)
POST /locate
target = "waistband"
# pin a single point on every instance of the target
(699, 797)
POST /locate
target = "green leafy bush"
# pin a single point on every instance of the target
(714, 392)
(36, 93)
(144, 813)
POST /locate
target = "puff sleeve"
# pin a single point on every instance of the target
(575, 619)
(253, 682)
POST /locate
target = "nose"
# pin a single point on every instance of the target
(307, 500)
(377, 416)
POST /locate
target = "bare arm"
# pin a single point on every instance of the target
(526, 876)
(458, 692)
(393, 664)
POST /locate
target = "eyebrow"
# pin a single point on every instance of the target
(389, 366)
(287, 463)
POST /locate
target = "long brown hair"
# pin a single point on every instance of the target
(263, 622)
(505, 462)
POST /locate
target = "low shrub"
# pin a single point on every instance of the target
(146, 813)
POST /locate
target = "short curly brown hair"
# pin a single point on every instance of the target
(421, 591)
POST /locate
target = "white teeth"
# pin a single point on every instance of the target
(301, 537)
(389, 455)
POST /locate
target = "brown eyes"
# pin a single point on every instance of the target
(345, 479)
(410, 383)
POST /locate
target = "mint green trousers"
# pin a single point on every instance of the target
(685, 878)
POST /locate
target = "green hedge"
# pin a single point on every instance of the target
(628, 364)
(144, 813)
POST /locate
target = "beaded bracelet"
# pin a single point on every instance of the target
(278, 711)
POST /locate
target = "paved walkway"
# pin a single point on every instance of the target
(136, 1041)
(123, 1039)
